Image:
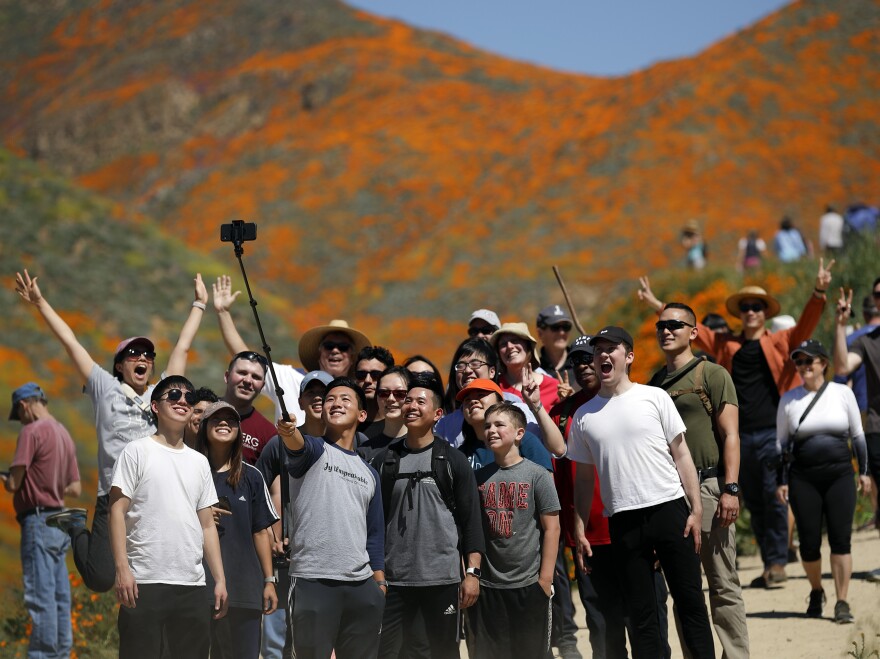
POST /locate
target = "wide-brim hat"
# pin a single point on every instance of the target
(309, 344)
(517, 329)
(756, 293)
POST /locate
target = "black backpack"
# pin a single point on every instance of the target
(387, 464)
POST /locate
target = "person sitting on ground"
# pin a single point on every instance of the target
(120, 398)
(204, 397)
(814, 425)
(331, 348)
(244, 515)
(161, 529)
(371, 362)
(521, 525)
(516, 349)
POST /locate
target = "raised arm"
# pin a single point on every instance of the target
(223, 299)
(177, 358)
(289, 434)
(687, 472)
(29, 291)
(845, 362)
(550, 433)
(647, 296)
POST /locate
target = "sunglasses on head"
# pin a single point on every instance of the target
(135, 354)
(473, 364)
(174, 395)
(341, 346)
(482, 329)
(399, 394)
(581, 358)
(362, 375)
(745, 307)
(671, 325)
(803, 361)
(251, 356)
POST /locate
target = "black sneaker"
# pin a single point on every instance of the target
(817, 601)
(842, 614)
(68, 520)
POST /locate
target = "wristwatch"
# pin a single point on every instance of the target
(474, 571)
(732, 488)
(270, 579)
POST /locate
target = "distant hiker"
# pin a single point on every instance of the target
(789, 243)
(751, 251)
(122, 414)
(831, 230)
(694, 245)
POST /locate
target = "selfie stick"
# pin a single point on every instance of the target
(239, 250)
(574, 316)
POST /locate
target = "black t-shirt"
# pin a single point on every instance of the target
(373, 446)
(755, 388)
(252, 511)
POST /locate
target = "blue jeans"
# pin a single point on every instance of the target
(46, 587)
(758, 483)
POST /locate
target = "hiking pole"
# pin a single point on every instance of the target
(574, 315)
(237, 233)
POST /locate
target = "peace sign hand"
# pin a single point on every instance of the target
(564, 389)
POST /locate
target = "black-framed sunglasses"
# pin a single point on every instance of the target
(482, 329)
(341, 346)
(473, 364)
(251, 356)
(560, 327)
(580, 358)
(804, 361)
(174, 395)
(671, 325)
(135, 354)
(745, 307)
(399, 394)
(362, 375)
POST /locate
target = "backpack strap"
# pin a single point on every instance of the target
(699, 385)
(441, 471)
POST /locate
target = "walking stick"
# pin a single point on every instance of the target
(574, 315)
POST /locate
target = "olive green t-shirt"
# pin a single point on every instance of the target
(718, 384)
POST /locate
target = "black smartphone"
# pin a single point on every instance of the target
(223, 502)
(238, 232)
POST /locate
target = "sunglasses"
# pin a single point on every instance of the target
(251, 356)
(473, 364)
(399, 394)
(483, 329)
(875, 293)
(560, 327)
(174, 395)
(804, 361)
(133, 354)
(581, 358)
(362, 375)
(745, 307)
(341, 346)
(671, 325)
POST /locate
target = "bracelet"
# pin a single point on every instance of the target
(818, 290)
(200, 305)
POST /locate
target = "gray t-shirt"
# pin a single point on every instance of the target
(118, 421)
(421, 539)
(513, 500)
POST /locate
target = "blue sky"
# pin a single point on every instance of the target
(586, 36)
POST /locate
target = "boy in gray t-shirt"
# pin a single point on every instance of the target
(521, 523)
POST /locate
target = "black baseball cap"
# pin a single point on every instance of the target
(811, 348)
(582, 344)
(614, 334)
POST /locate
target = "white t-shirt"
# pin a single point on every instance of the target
(835, 413)
(290, 379)
(627, 437)
(167, 488)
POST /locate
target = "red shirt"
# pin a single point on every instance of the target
(256, 431)
(48, 454)
(564, 474)
(549, 389)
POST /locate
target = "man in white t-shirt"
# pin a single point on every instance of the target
(635, 438)
(161, 528)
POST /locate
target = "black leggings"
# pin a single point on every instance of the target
(91, 550)
(818, 493)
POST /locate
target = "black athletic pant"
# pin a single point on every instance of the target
(872, 440)
(636, 535)
(510, 623)
(91, 550)
(564, 631)
(178, 615)
(328, 615)
(438, 607)
(237, 635)
(827, 492)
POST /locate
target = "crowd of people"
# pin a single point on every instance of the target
(387, 515)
